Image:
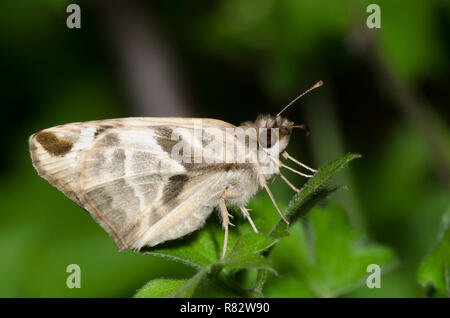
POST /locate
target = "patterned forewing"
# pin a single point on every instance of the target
(123, 173)
(122, 182)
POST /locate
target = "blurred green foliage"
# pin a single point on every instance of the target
(329, 264)
(434, 272)
(239, 58)
(328, 256)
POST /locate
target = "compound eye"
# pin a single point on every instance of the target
(268, 137)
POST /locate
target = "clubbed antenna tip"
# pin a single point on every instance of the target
(318, 84)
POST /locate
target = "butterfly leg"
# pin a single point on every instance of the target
(247, 215)
(226, 216)
(295, 171)
(275, 203)
(228, 196)
(226, 222)
(288, 182)
(288, 156)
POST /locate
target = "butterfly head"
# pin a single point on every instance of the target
(273, 132)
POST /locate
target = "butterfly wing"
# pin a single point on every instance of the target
(123, 173)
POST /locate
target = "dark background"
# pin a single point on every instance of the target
(386, 96)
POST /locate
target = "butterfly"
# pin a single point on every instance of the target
(150, 180)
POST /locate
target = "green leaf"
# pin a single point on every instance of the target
(202, 249)
(288, 286)
(158, 288)
(173, 288)
(245, 253)
(311, 193)
(188, 289)
(329, 256)
(198, 249)
(434, 271)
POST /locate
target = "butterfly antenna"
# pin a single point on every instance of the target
(318, 84)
